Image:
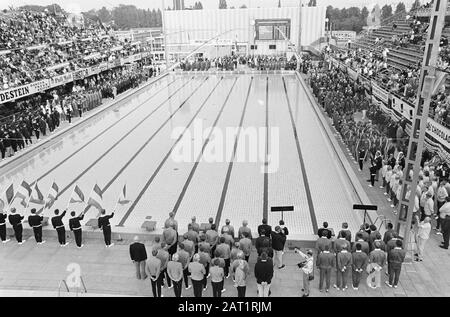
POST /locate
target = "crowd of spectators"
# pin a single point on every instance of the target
(43, 113)
(38, 45)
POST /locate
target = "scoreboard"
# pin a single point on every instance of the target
(269, 29)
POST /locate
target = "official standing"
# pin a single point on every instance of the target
(278, 241)
(153, 270)
(75, 226)
(3, 217)
(264, 274)
(395, 260)
(360, 261)
(59, 226)
(35, 221)
(325, 262)
(16, 222)
(343, 266)
(175, 272)
(138, 255)
(198, 272)
(377, 259)
(103, 224)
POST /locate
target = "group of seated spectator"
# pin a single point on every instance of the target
(38, 45)
(374, 65)
(37, 115)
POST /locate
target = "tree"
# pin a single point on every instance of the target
(400, 8)
(198, 6)
(104, 15)
(312, 3)
(364, 13)
(222, 4)
(386, 12)
(416, 5)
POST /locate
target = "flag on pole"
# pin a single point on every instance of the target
(23, 193)
(36, 196)
(7, 197)
(77, 196)
(96, 199)
(52, 195)
(123, 196)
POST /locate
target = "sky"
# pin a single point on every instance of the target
(86, 5)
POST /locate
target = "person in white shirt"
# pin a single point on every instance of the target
(429, 206)
(423, 234)
(307, 268)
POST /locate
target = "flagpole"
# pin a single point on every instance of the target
(87, 200)
(29, 198)
(46, 197)
(68, 203)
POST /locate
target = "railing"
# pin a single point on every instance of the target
(78, 289)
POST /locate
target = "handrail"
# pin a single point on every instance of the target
(63, 282)
(59, 287)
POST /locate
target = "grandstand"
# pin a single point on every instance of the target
(88, 121)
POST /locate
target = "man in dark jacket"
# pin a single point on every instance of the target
(3, 217)
(395, 260)
(264, 228)
(138, 255)
(103, 224)
(75, 226)
(264, 274)
(59, 226)
(16, 222)
(359, 261)
(35, 222)
(278, 242)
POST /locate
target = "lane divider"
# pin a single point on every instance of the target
(155, 173)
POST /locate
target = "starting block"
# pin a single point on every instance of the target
(93, 223)
(149, 225)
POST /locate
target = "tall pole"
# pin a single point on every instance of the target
(163, 20)
(418, 124)
(299, 48)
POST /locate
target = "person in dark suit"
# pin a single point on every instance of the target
(264, 274)
(59, 226)
(103, 224)
(35, 222)
(325, 227)
(16, 222)
(75, 226)
(138, 255)
(395, 260)
(3, 217)
(360, 261)
(322, 242)
(265, 227)
(388, 234)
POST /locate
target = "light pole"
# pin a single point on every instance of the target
(163, 20)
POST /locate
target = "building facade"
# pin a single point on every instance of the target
(217, 32)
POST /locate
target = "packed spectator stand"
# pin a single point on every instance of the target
(37, 46)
